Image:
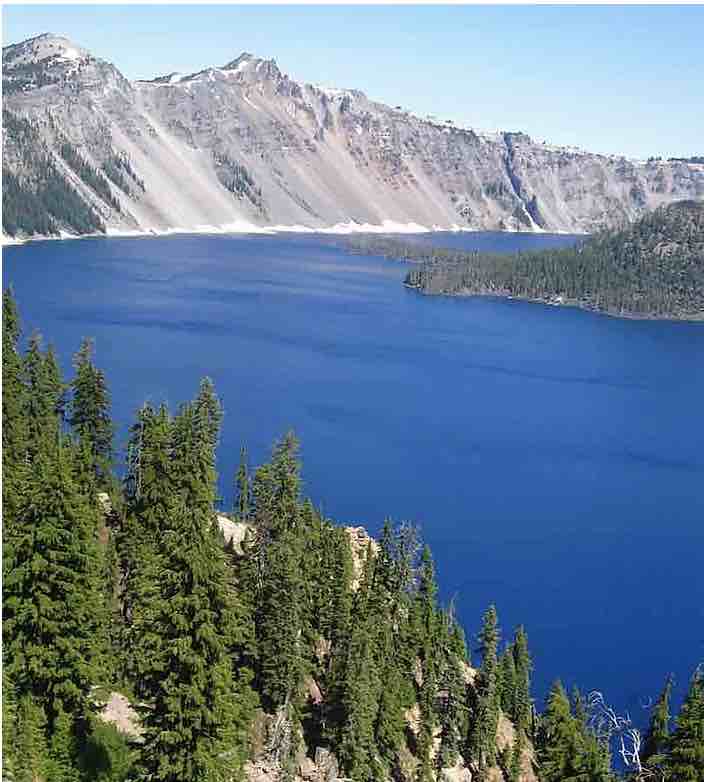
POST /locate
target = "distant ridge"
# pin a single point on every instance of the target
(243, 147)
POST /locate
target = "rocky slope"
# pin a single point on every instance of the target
(244, 146)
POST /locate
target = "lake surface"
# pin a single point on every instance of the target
(553, 458)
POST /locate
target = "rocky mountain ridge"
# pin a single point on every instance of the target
(245, 147)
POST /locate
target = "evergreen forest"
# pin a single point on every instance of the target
(653, 268)
(149, 634)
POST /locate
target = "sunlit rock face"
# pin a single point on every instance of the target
(244, 147)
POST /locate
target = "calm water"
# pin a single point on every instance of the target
(553, 458)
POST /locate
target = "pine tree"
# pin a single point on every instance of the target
(90, 418)
(278, 549)
(482, 737)
(362, 684)
(43, 396)
(14, 420)
(242, 488)
(25, 746)
(193, 727)
(51, 591)
(658, 733)
(559, 740)
(150, 489)
(281, 623)
(522, 702)
(507, 682)
(453, 688)
(685, 761)
(428, 639)
(63, 751)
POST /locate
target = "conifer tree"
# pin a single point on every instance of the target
(15, 433)
(658, 733)
(193, 727)
(241, 503)
(14, 420)
(25, 747)
(90, 418)
(280, 627)
(150, 489)
(51, 590)
(43, 396)
(522, 702)
(685, 761)
(558, 747)
(362, 684)
(428, 634)
(278, 551)
(507, 682)
(482, 736)
(452, 685)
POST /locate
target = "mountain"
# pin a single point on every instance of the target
(244, 145)
(651, 268)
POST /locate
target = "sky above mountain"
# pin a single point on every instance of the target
(611, 79)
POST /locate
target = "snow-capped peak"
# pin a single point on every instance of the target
(48, 46)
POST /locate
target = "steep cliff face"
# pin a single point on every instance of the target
(243, 146)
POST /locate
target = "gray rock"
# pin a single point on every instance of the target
(244, 146)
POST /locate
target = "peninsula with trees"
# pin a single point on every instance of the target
(653, 268)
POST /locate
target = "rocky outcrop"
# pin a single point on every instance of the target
(117, 711)
(234, 532)
(244, 146)
(360, 543)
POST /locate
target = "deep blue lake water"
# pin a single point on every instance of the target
(553, 458)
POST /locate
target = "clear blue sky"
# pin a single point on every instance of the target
(620, 79)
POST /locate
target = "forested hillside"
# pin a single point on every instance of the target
(653, 268)
(297, 649)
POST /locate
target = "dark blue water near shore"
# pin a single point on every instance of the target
(553, 458)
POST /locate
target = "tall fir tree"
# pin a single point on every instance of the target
(522, 703)
(558, 741)
(280, 613)
(482, 736)
(14, 421)
(658, 734)
(89, 415)
(428, 631)
(685, 761)
(242, 488)
(192, 727)
(361, 690)
(150, 489)
(51, 590)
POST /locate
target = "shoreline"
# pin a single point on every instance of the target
(574, 304)
(387, 227)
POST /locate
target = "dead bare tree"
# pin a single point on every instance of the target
(610, 727)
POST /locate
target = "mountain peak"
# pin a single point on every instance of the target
(47, 46)
(251, 64)
(244, 58)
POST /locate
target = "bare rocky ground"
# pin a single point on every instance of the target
(243, 146)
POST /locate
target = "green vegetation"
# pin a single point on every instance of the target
(653, 268)
(118, 169)
(236, 178)
(41, 201)
(85, 172)
(303, 636)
